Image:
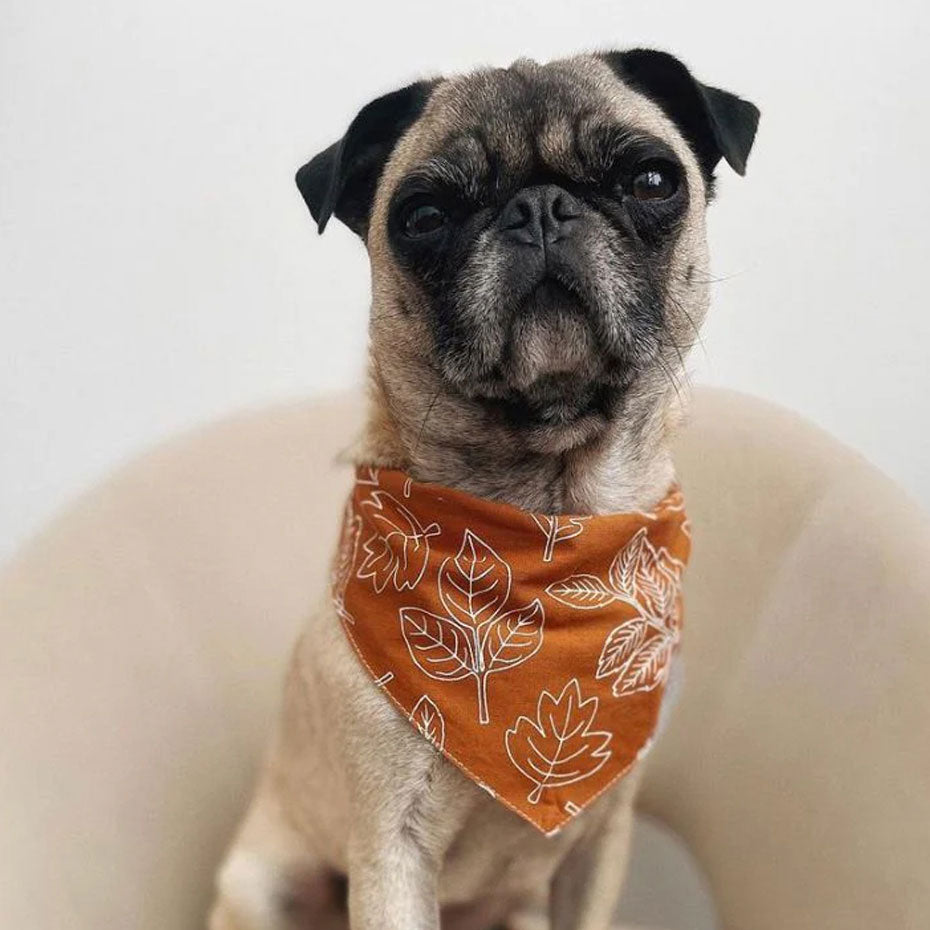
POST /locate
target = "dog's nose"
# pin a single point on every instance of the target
(540, 216)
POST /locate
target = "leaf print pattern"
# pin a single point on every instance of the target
(438, 645)
(583, 591)
(637, 652)
(513, 638)
(623, 569)
(646, 577)
(428, 719)
(621, 645)
(648, 667)
(640, 575)
(478, 637)
(559, 747)
(578, 616)
(475, 582)
(398, 550)
(555, 529)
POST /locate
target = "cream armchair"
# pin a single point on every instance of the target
(144, 632)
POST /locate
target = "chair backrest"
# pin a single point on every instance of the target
(797, 766)
(144, 634)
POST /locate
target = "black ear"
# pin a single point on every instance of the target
(342, 179)
(714, 122)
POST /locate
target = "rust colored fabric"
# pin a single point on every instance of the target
(531, 650)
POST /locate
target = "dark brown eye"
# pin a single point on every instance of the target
(424, 220)
(655, 183)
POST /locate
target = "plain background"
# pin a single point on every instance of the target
(158, 268)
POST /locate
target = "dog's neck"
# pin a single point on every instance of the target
(440, 436)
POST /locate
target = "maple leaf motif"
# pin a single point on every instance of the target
(428, 719)
(558, 747)
(556, 529)
(398, 550)
(479, 636)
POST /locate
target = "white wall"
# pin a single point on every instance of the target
(157, 267)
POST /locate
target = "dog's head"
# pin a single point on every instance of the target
(536, 232)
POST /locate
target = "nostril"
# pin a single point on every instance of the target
(564, 208)
(518, 215)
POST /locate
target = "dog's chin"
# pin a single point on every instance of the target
(553, 384)
(556, 413)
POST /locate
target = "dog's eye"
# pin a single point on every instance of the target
(423, 220)
(657, 182)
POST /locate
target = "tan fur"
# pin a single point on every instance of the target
(348, 785)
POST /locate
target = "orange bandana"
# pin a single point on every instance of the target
(531, 650)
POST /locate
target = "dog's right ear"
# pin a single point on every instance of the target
(342, 179)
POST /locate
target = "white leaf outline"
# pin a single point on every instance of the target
(520, 623)
(621, 645)
(399, 546)
(648, 667)
(646, 577)
(428, 719)
(623, 569)
(477, 619)
(435, 641)
(557, 528)
(564, 730)
(582, 591)
(636, 652)
(468, 587)
(369, 475)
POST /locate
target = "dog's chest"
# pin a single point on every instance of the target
(491, 850)
(498, 857)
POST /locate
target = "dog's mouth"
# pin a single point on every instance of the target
(553, 378)
(553, 295)
(549, 340)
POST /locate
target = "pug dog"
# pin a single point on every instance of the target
(539, 271)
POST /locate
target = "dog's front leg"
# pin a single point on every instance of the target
(587, 885)
(408, 805)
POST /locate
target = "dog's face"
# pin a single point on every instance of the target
(536, 232)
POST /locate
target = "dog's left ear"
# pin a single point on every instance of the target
(715, 123)
(342, 179)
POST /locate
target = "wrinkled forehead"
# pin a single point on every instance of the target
(530, 116)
